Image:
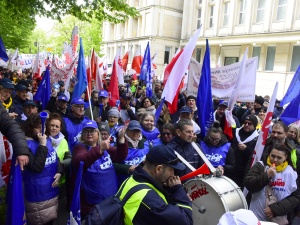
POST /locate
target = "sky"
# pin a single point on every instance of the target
(44, 23)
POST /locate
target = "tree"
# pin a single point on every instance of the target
(89, 31)
(112, 10)
(16, 27)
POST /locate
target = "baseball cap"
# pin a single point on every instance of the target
(7, 83)
(63, 97)
(134, 125)
(103, 126)
(224, 103)
(90, 124)
(162, 154)
(103, 93)
(29, 102)
(185, 109)
(21, 87)
(252, 119)
(77, 101)
(126, 95)
(61, 83)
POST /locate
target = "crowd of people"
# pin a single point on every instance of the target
(128, 144)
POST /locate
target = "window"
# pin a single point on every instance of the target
(226, 14)
(198, 54)
(295, 58)
(281, 10)
(256, 52)
(167, 55)
(200, 2)
(242, 11)
(211, 17)
(270, 58)
(199, 18)
(230, 60)
(260, 11)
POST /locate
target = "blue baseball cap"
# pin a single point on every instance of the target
(103, 93)
(29, 102)
(21, 87)
(186, 109)
(63, 97)
(163, 154)
(134, 125)
(77, 101)
(7, 83)
(90, 124)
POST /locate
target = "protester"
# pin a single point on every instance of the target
(243, 144)
(165, 200)
(191, 102)
(127, 112)
(278, 172)
(148, 105)
(182, 145)
(19, 100)
(6, 89)
(163, 118)
(104, 129)
(187, 113)
(73, 122)
(99, 180)
(293, 134)
(149, 131)
(168, 133)
(114, 124)
(41, 176)
(58, 104)
(218, 150)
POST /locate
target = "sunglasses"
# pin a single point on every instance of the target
(248, 123)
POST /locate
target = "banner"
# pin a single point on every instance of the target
(58, 74)
(194, 77)
(223, 80)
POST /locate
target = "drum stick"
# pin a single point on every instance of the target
(185, 162)
(210, 166)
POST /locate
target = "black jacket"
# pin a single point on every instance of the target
(11, 129)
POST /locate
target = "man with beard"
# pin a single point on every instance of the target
(243, 144)
(257, 107)
(279, 135)
(161, 198)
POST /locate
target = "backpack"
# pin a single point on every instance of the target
(110, 211)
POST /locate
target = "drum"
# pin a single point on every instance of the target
(212, 197)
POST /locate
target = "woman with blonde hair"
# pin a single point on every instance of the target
(99, 180)
(294, 134)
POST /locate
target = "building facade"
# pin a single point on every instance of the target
(270, 29)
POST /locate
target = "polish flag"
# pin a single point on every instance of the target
(125, 61)
(175, 71)
(116, 73)
(36, 69)
(98, 78)
(137, 60)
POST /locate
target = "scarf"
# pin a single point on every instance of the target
(280, 167)
(248, 139)
(134, 143)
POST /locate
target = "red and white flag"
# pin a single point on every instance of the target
(125, 61)
(67, 53)
(74, 41)
(99, 65)
(137, 60)
(37, 65)
(175, 71)
(263, 135)
(116, 73)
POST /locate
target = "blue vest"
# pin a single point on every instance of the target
(74, 132)
(100, 180)
(37, 186)
(216, 155)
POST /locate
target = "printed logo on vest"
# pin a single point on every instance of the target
(214, 157)
(52, 159)
(107, 164)
(135, 161)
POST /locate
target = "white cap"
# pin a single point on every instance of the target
(241, 217)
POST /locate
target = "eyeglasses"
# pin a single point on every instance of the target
(166, 133)
(89, 131)
(275, 157)
(214, 139)
(248, 123)
(113, 117)
(78, 106)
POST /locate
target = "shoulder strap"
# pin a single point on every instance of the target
(132, 191)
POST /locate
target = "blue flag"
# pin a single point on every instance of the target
(3, 54)
(293, 90)
(292, 112)
(204, 97)
(145, 74)
(43, 92)
(81, 74)
(15, 213)
(75, 217)
(158, 110)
